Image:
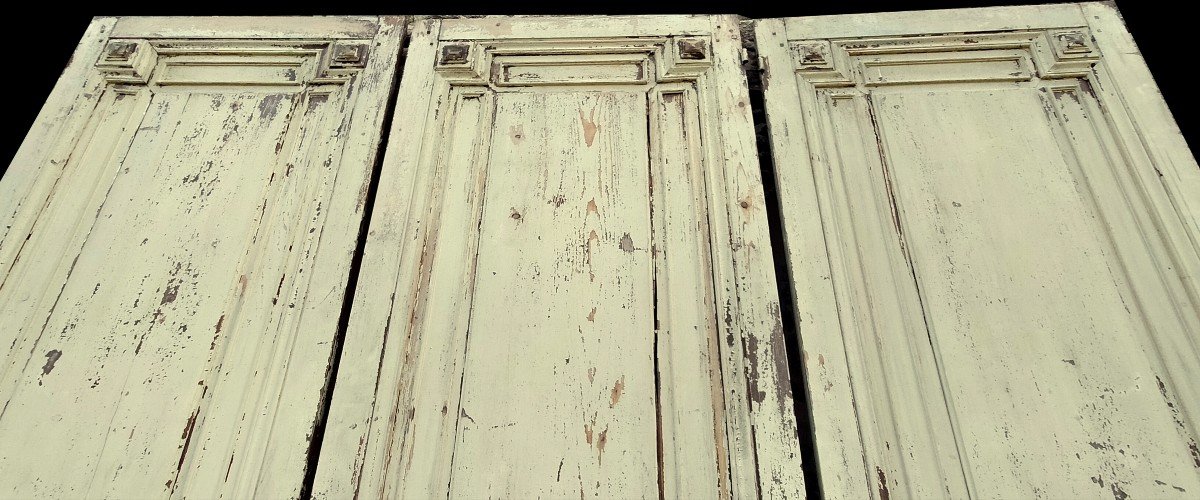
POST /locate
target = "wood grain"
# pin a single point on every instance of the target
(993, 266)
(172, 282)
(570, 290)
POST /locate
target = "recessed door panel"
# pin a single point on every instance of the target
(993, 262)
(570, 286)
(176, 253)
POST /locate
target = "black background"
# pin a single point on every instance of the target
(40, 43)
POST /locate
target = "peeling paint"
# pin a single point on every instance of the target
(52, 357)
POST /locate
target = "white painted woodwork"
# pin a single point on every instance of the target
(991, 223)
(176, 240)
(567, 287)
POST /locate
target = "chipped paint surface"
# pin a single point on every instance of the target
(557, 239)
(995, 280)
(567, 287)
(172, 273)
(526, 350)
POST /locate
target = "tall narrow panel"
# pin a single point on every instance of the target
(565, 221)
(176, 261)
(567, 288)
(994, 260)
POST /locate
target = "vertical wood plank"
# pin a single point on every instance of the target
(1133, 82)
(753, 303)
(691, 406)
(364, 422)
(447, 286)
(28, 182)
(823, 352)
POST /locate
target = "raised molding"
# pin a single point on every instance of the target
(1005, 56)
(1073, 54)
(692, 48)
(490, 103)
(343, 60)
(635, 61)
(902, 396)
(348, 55)
(460, 63)
(686, 61)
(127, 61)
(236, 63)
(571, 69)
(205, 177)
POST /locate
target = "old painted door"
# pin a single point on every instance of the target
(992, 226)
(176, 235)
(567, 288)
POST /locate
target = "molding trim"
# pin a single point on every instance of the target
(238, 63)
(608, 61)
(1011, 56)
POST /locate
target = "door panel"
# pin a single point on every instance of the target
(567, 286)
(520, 312)
(994, 261)
(176, 250)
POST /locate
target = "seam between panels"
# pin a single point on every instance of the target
(339, 340)
(783, 277)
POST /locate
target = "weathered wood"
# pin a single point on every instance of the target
(313, 27)
(994, 261)
(516, 27)
(567, 287)
(174, 271)
(696, 460)
(925, 22)
(60, 120)
(989, 215)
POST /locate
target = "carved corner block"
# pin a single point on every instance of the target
(460, 62)
(119, 51)
(127, 61)
(684, 59)
(692, 49)
(344, 58)
(1065, 54)
(812, 55)
(1068, 44)
(348, 55)
(454, 54)
(814, 60)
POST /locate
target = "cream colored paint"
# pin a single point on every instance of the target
(567, 286)
(179, 226)
(993, 242)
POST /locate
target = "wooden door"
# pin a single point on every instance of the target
(177, 231)
(992, 226)
(567, 287)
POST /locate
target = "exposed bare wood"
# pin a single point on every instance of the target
(281, 27)
(926, 22)
(995, 263)
(175, 268)
(569, 290)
